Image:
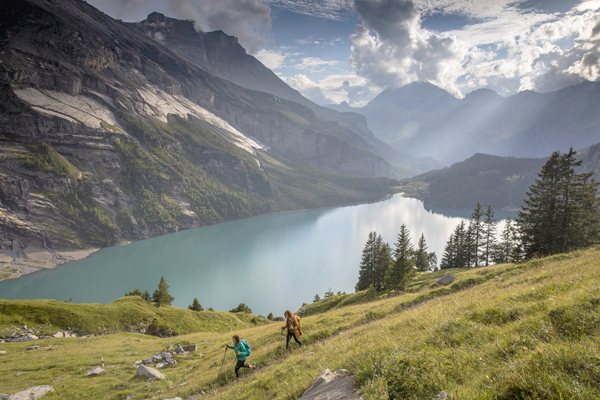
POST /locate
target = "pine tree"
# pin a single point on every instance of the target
(402, 272)
(376, 260)
(421, 255)
(460, 253)
(447, 261)
(366, 273)
(477, 231)
(196, 306)
(470, 249)
(432, 259)
(501, 252)
(561, 212)
(161, 295)
(383, 264)
(489, 236)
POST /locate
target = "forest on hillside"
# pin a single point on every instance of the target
(501, 182)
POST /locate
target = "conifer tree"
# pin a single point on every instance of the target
(196, 306)
(561, 212)
(366, 272)
(504, 249)
(489, 236)
(161, 295)
(421, 255)
(376, 260)
(402, 272)
(448, 256)
(460, 254)
(477, 232)
(470, 249)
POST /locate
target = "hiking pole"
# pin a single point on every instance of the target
(223, 361)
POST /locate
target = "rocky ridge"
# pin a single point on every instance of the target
(108, 136)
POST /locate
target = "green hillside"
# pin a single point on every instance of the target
(511, 331)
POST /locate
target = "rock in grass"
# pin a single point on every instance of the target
(33, 348)
(95, 371)
(32, 393)
(191, 347)
(179, 350)
(441, 396)
(3, 352)
(331, 385)
(149, 372)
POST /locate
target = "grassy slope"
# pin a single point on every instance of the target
(531, 333)
(50, 316)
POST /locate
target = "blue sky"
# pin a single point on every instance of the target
(351, 50)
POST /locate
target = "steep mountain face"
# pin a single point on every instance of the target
(424, 120)
(107, 135)
(223, 56)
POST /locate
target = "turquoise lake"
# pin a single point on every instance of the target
(270, 262)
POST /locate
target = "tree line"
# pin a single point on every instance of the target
(561, 214)
(393, 269)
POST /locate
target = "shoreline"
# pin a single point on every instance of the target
(35, 258)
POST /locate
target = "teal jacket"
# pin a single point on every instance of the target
(239, 347)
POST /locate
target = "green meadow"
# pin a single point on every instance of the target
(511, 331)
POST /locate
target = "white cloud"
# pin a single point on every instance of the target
(513, 49)
(272, 59)
(335, 88)
(248, 20)
(308, 88)
(314, 64)
(329, 9)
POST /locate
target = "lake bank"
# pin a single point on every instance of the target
(34, 258)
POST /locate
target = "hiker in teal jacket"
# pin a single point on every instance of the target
(240, 354)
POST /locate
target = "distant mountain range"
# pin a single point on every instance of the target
(113, 131)
(426, 121)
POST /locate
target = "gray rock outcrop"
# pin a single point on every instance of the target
(444, 280)
(95, 371)
(149, 372)
(160, 357)
(329, 385)
(32, 393)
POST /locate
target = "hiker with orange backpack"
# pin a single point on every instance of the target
(293, 329)
(242, 351)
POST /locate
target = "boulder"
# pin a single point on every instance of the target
(444, 280)
(32, 393)
(149, 372)
(95, 371)
(3, 352)
(33, 348)
(180, 351)
(59, 335)
(191, 347)
(331, 386)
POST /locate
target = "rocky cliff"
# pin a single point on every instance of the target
(107, 135)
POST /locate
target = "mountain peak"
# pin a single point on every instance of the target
(156, 17)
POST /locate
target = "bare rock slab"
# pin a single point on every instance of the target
(149, 372)
(331, 386)
(32, 393)
(95, 371)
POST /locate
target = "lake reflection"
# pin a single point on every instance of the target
(271, 262)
